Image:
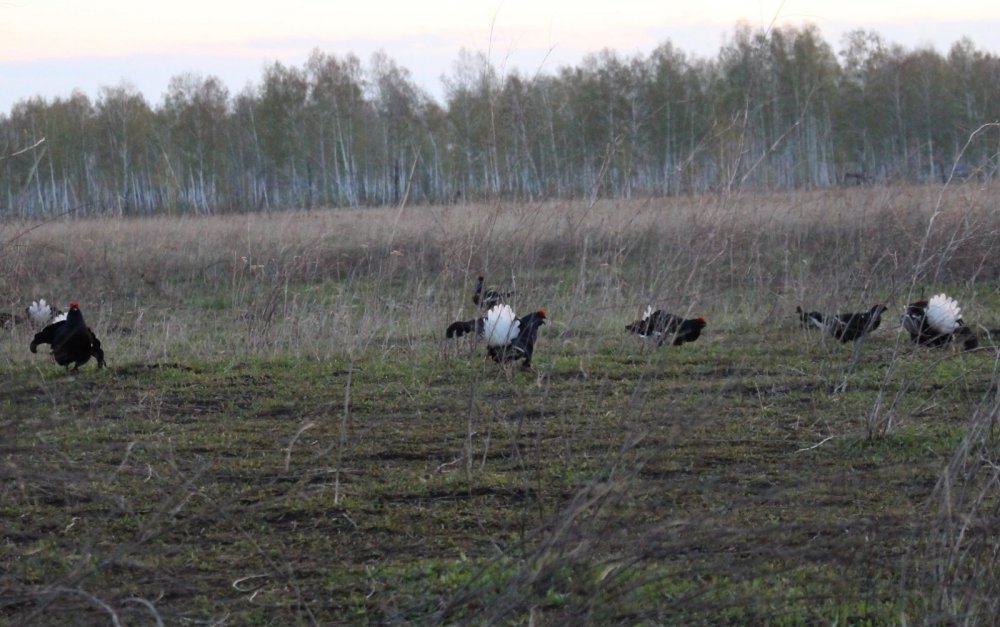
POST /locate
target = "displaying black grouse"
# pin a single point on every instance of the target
(937, 322)
(72, 341)
(667, 326)
(508, 338)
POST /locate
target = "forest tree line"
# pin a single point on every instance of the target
(775, 109)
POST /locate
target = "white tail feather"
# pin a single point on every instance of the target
(40, 311)
(649, 312)
(943, 314)
(500, 326)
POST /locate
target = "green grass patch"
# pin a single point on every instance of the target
(635, 484)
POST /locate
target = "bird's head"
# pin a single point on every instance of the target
(480, 279)
(74, 305)
(701, 322)
(541, 314)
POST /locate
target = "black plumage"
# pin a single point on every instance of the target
(461, 327)
(915, 323)
(72, 341)
(523, 346)
(667, 326)
(848, 327)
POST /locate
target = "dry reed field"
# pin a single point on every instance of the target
(283, 435)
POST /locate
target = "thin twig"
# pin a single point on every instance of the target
(817, 445)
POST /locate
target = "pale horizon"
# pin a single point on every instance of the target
(52, 48)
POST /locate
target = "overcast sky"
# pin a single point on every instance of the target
(51, 47)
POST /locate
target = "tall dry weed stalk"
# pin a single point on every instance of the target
(955, 563)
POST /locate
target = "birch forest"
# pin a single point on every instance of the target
(773, 110)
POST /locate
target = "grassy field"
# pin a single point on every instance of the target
(284, 436)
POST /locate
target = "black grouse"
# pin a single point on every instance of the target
(508, 338)
(848, 327)
(666, 326)
(937, 322)
(72, 341)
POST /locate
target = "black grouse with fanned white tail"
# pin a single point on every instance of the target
(664, 326)
(937, 322)
(508, 338)
(73, 342)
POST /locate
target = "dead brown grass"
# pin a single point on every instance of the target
(337, 279)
